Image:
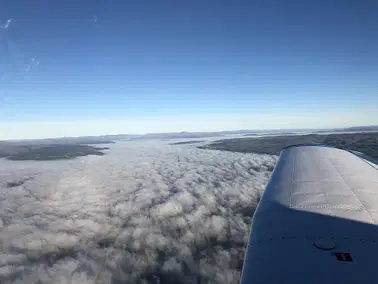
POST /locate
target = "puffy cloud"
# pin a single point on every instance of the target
(147, 212)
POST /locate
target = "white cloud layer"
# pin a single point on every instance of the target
(146, 212)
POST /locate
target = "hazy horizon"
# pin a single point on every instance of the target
(176, 132)
(39, 130)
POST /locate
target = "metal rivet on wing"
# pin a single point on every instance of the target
(325, 244)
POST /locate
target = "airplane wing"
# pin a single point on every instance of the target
(316, 221)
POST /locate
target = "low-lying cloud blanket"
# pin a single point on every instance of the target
(146, 212)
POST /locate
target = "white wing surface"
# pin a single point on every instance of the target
(316, 221)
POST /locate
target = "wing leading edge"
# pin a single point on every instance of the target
(316, 221)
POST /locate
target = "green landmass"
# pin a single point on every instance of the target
(17, 152)
(366, 143)
(187, 142)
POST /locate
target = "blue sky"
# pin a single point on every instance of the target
(108, 67)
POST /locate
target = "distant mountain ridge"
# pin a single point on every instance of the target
(103, 139)
(370, 128)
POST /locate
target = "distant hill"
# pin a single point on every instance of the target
(17, 151)
(363, 128)
(366, 143)
(107, 139)
(187, 142)
(371, 128)
(57, 152)
(270, 133)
